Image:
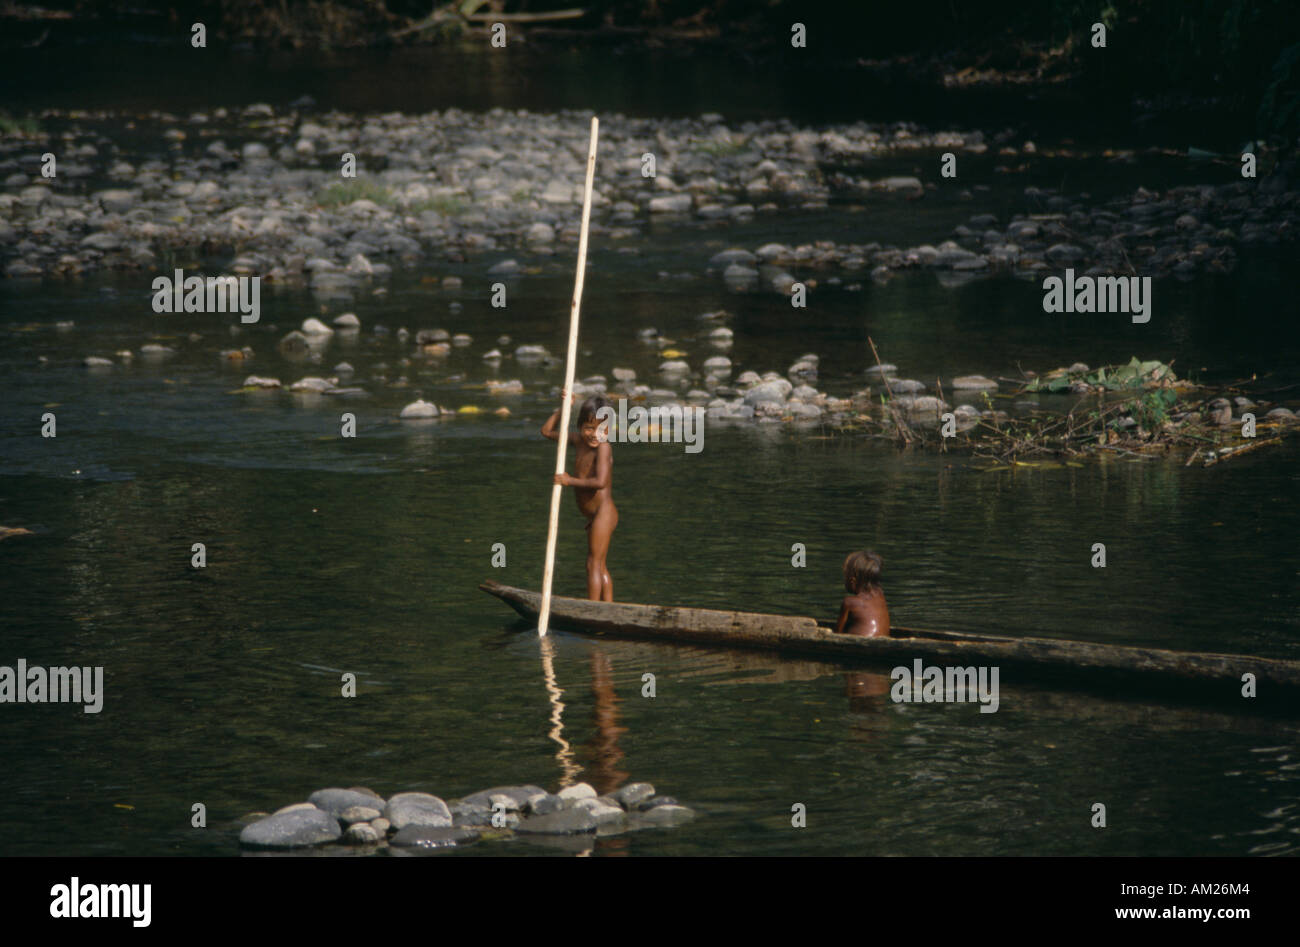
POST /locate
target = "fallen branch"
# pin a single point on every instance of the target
(903, 430)
(1227, 453)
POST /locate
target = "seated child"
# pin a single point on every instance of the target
(864, 611)
(593, 462)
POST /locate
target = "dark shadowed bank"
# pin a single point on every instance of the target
(1237, 59)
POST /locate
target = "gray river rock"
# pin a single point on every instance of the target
(297, 828)
(522, 795)
(418, 809)
(633, 794)
(566, 822)
(336, 801)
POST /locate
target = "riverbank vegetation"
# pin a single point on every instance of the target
(1243, 55)
(1139, 409)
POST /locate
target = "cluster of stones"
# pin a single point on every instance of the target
(768, 397)
(444, 181)
(417, 820)
(1182, 232)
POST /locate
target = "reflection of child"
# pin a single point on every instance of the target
(864, 611)
(594, 462)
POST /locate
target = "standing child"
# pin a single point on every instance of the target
(864, 611)
(593, 487)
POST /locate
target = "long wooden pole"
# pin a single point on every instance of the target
(563, 442)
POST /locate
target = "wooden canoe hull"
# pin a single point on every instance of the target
(1125, 671)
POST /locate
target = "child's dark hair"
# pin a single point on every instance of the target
(590, 409)
(862, 572)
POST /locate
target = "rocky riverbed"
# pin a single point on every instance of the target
(263, 188)
(414, 822)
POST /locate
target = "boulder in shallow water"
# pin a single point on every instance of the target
(566, 822)
(315, 327)
(336, 801)
(522, 795)
(463, 814)
(294, 343)
(631, 795)
(353, 814)
(670, 204)
(361, 833)
(571, 794)
(900, 184)
(297, 828)
(974, 383)
(545, 805)
(419, 809)
(420, 409)
(311, 383)
(664, 816)
(921, 404)
(769, 391)
(735, 255)
(603, 812)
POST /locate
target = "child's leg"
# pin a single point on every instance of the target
(600, 587)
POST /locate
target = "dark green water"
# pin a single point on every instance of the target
(325, 556)
(328, 556)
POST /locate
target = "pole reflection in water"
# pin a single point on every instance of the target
(569, 769)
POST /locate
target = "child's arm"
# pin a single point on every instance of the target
(844, 616)
(550, 428)
(601, 476)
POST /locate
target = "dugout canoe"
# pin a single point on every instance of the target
(1114, 669)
